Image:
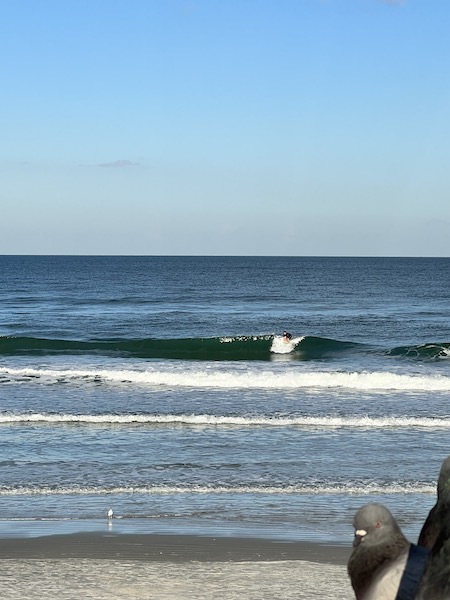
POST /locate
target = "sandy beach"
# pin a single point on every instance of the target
(170, 567)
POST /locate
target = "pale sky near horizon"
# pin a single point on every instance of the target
(253, 127)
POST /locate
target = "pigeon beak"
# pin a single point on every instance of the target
(359, 536)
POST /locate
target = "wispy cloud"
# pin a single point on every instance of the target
(117, 164)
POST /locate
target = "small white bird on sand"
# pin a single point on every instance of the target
(110, 514)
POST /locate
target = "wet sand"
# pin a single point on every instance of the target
(172, 548)
(107, 566)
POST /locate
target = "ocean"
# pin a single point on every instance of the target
(159, 387)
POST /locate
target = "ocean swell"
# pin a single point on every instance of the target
(231, 348)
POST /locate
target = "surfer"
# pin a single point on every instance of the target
(287, 337)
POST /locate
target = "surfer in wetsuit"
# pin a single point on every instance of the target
(287, 337)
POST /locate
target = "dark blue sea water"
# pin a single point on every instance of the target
(160, 387)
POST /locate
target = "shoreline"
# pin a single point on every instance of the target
(170, 567)
(169, 548)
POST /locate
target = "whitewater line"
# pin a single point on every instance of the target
(330, 422)
(352, 489)
(225, 379)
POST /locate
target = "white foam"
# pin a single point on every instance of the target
(282, 346)
(327, 422)
(352, 489)
(243, 338)
(223, 378)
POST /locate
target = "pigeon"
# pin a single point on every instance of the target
(435, 583)
(430, 529)
(384, 565)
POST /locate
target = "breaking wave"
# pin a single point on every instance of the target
(327, 488)
(245, 347)
(433, 350)
(189, 376)
(328, 422)
(232, 348)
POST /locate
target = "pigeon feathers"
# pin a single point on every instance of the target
(384, 565)
(379, 566)
(435, 583)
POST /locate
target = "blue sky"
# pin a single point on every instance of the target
(284, 127)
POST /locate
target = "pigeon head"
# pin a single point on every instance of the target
(374, 524)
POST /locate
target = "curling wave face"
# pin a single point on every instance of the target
(232, 348)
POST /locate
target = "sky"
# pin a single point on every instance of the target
(225, 127)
